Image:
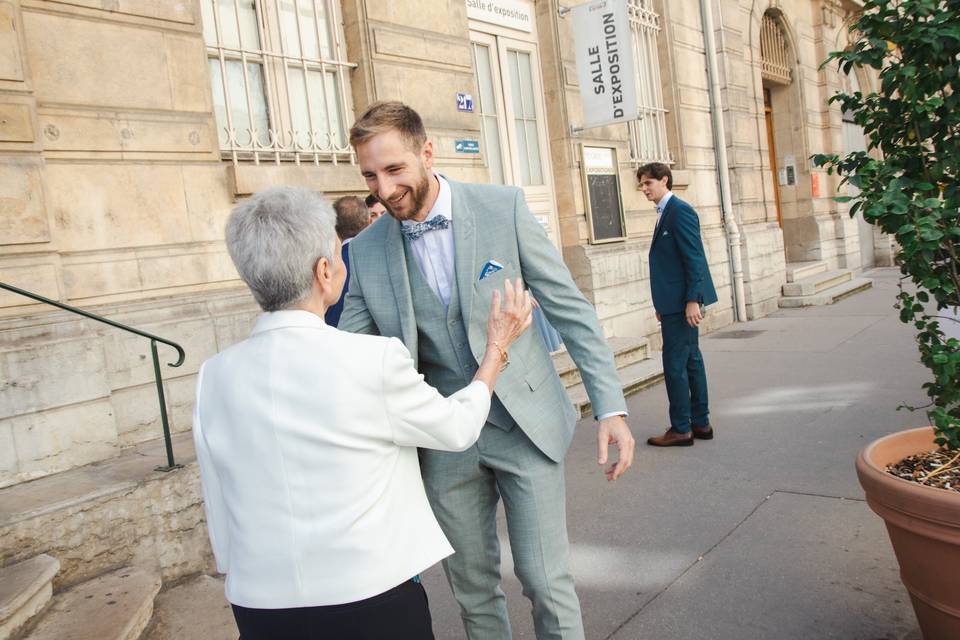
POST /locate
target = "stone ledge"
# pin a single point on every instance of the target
(626, 351)
(135, 466)
(633, 378)
(115, 513)
(817, 283)
(25, 589)
(828, 296)
(194, 608)
(114, 606)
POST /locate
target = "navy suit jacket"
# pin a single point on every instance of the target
(332, 316)
(678, 265)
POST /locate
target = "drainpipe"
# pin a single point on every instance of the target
(731, 229)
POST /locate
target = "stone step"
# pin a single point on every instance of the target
(633, 377)
(60, 515)
(817, 283)
(194, 609)
(797, 271)
(25, 589)
(114, 606)
(830, 296)
(626, 351)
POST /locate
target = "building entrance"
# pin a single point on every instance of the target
(772, 150)
(510, 103)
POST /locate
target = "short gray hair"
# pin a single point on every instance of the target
(275, 239)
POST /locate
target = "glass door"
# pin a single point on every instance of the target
(486, 65)
(513, 128)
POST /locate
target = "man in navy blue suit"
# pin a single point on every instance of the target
(352, 218)
(681, 286)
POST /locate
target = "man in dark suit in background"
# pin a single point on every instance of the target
(352, 218)
(681, 286)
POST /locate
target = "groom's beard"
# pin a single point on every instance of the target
(416, 198)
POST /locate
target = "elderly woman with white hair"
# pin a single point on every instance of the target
(306, 439)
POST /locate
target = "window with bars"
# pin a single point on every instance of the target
(279, 79)
(648, 133)
(774, 52)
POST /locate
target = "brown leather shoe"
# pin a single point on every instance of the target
(671, 439)
(703, 433)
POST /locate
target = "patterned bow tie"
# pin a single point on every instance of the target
(414, 231)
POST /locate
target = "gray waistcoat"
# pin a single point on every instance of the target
(444, 352)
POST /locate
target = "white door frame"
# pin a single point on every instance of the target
(540, 198)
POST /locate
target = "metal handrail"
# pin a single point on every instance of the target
(153, 348)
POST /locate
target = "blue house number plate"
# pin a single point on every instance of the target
(464, 102)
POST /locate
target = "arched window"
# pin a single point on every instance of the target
(774, 51)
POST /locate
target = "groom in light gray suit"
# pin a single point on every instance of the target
(426, 274)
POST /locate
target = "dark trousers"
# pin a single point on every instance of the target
(684, 373)
(400, 613)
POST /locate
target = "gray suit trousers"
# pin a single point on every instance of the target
(463, 489)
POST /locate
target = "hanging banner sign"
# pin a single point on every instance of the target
(604, 48)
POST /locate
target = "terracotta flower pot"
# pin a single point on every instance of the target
(924, 527)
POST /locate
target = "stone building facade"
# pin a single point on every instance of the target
(129, 128)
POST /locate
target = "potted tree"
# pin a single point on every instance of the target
(907, 184)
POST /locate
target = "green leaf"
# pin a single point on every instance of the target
(908, 178)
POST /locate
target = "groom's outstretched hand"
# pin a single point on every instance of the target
(614, 430)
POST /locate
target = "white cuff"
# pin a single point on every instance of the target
(610, 415)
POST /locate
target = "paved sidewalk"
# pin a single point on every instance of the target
(761, 533)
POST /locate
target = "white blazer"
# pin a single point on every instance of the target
(306, 440)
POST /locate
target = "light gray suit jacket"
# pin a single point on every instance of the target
(493, 223)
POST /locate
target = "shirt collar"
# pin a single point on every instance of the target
(443, 205)
(663, 202)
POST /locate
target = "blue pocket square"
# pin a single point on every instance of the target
(490, 268)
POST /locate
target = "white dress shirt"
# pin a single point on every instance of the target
(661, 206)
(306, 440)
(433, 251)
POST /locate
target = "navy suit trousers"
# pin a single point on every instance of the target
(684, 373)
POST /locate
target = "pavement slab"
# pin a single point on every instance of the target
(114, 606)
(194, 609)
(800, 566)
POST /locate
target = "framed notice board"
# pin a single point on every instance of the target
(601, 194)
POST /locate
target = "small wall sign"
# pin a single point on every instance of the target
(513, 14)
(464, 102)
(787, 176)
(466, 146)
(601, 188)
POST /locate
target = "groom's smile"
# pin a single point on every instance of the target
(399, 175)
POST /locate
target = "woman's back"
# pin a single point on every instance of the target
(298, 427)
